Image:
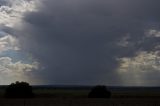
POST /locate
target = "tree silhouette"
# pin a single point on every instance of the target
(99, 92)
(19, 90)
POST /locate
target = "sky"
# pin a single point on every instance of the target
(79, 42)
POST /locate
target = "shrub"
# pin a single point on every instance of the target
(99, 92)
(19, 90)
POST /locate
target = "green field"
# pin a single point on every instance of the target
(50, 96)
(60, 93)
(79, 102)
(51, 92)
(82, 92)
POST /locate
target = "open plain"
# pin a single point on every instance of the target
(80, 102)
(77, 96)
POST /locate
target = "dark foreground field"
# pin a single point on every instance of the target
(78, 96)
(79, 102)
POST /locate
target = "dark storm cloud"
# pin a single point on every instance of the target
(2, 2)
(77, 40)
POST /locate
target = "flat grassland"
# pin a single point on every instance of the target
(51, 96)
(79, 102)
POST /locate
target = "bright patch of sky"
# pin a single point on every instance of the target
(12, 12)
(12, 71)
(140, 66)
(14, 64)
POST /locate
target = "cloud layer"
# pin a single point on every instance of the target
(14, 71)
(11, 11)
(14, 67)
(8, 42)
(142, 69)
(81, 42)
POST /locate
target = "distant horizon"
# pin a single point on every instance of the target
(114, 86)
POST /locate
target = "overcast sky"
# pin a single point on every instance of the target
(82, 42)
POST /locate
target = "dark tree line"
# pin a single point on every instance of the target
(19, 90)
(99, 92)
(24, 90)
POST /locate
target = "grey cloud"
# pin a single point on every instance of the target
(76, 40)
(3, 2)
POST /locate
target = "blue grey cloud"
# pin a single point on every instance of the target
(79, 41)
